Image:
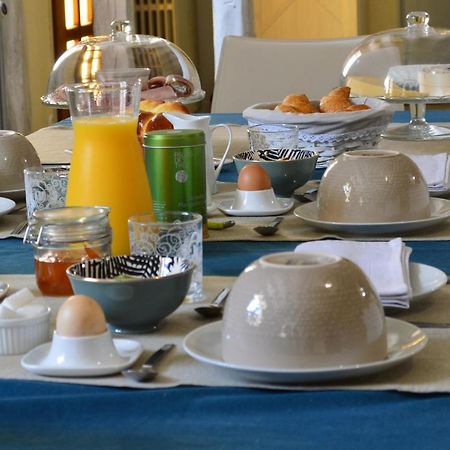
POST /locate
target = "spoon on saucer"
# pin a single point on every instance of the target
(214, 309)
(147, 371)
(269, 230)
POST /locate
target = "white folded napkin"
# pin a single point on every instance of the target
(386, 264)
(435, 170)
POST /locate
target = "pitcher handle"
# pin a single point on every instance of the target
(227, 149)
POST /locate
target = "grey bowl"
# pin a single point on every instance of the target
(136, 292)
(288, 168)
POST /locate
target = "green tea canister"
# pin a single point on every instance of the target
(175, 163)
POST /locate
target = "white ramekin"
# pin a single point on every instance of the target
(18, 336)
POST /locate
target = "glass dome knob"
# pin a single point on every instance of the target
(417, 18)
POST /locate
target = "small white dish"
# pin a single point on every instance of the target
(6, 205)
(440, 212)
(284, 205)
(14, 194)
(34, 361)
(404, 341)
(425, 280)
(20, 335)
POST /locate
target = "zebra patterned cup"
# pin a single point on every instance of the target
(45, 187)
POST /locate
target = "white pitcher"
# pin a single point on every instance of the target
(187, 121)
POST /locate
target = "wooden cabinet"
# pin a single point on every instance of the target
(323, 19)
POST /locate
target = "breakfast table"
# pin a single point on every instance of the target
(193, 405)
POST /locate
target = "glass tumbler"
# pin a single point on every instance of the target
(272, 136)
(171, 233)
(45, 187)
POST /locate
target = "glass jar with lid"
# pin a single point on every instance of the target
(65, 236)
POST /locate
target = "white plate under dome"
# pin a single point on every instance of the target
(404, 341)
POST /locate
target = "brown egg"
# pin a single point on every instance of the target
(80, 315)
(253, 177)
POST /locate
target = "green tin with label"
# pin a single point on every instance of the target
(175, 163)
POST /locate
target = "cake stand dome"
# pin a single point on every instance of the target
(408, 65)
(157, 62)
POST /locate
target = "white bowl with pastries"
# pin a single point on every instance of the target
(334, 124)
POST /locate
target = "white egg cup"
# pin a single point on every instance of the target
(85, 351)
(263, 200)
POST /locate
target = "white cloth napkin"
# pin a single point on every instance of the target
(386, 264)
(435, 170)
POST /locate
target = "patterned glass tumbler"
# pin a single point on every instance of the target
(171, 233)
(45, 187)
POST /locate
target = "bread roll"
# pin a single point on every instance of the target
(149, 104)
(170, 107)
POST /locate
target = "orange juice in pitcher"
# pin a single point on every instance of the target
(107, 167)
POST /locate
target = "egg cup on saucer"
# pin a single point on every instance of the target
(256, 203)
(81, 344)
(255, 196)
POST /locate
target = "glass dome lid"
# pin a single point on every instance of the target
(404, 65)
(165, 70)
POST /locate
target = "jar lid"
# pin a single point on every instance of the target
(174, 138)
(68, 224)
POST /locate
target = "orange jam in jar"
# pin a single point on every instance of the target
(65, 236)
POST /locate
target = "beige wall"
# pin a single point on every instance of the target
(38, 34)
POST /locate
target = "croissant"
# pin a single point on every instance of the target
(357, 108)
(296, 103)
(336, 100)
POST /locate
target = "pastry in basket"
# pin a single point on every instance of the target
(151, 117)
(338, 100)
(297, 103)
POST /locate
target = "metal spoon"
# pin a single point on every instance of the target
(147, 372)
(214, 309)
(269, 230)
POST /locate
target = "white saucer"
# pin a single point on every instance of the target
(425, 280)
(15, 194)
(127, 348)
(440, 212)
(404, 340)
(6, 205)
(285, 205)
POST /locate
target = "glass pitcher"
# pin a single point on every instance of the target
(107, 167)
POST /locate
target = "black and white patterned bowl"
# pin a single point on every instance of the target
(136, 292)
(288, 168)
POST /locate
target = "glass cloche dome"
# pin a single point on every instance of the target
(165, 71)
(408, 65)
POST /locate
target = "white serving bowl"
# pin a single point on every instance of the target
(303, 310)
(85, 351)
(18, 336)
(16, 154)
(373, 186)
